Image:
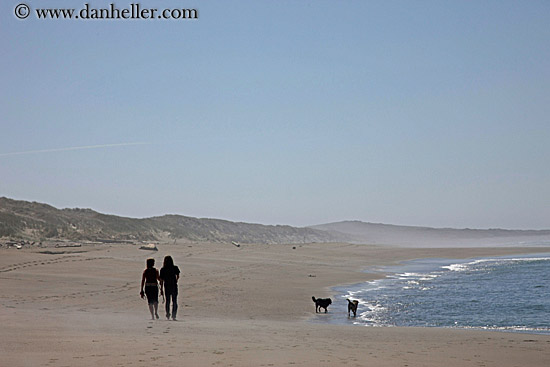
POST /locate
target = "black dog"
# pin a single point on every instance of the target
(321, 303)
(352, 307)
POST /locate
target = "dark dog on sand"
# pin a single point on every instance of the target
(321, 303)
(352, 307)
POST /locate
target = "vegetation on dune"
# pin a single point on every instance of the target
(37, 221)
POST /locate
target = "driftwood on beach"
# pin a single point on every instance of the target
(150, 247)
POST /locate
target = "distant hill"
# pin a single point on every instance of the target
(37, 221)
(376, 233)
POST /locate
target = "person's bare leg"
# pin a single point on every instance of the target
(151, 310)
(156, 310)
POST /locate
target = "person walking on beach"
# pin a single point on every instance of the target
(150, 280)
(169, 276)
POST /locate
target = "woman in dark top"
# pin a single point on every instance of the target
(169, 276)
(150, 279)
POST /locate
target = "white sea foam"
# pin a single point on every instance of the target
(373, 317)
(430, 276)
(456, 267)
(408, 275)
(469, 265)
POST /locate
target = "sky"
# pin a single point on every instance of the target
(428, 113)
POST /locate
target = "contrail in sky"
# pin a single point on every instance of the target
(72, 148)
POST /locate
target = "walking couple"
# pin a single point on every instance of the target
(168, 277)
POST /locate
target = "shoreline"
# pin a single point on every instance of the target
(418, 266)
(247, 306)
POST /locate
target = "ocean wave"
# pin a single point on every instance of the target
(497, 261)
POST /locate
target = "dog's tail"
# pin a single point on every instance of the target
(349, 300)
(313, 298)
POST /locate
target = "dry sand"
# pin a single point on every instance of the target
(246, 306)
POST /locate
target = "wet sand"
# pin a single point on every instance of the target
(247, 306)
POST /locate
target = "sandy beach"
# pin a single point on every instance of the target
(247, 306)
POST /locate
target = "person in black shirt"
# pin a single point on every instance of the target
(169, 276)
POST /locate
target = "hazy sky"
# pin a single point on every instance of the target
(432, 113)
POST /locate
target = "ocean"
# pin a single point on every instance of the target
(509, 293)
